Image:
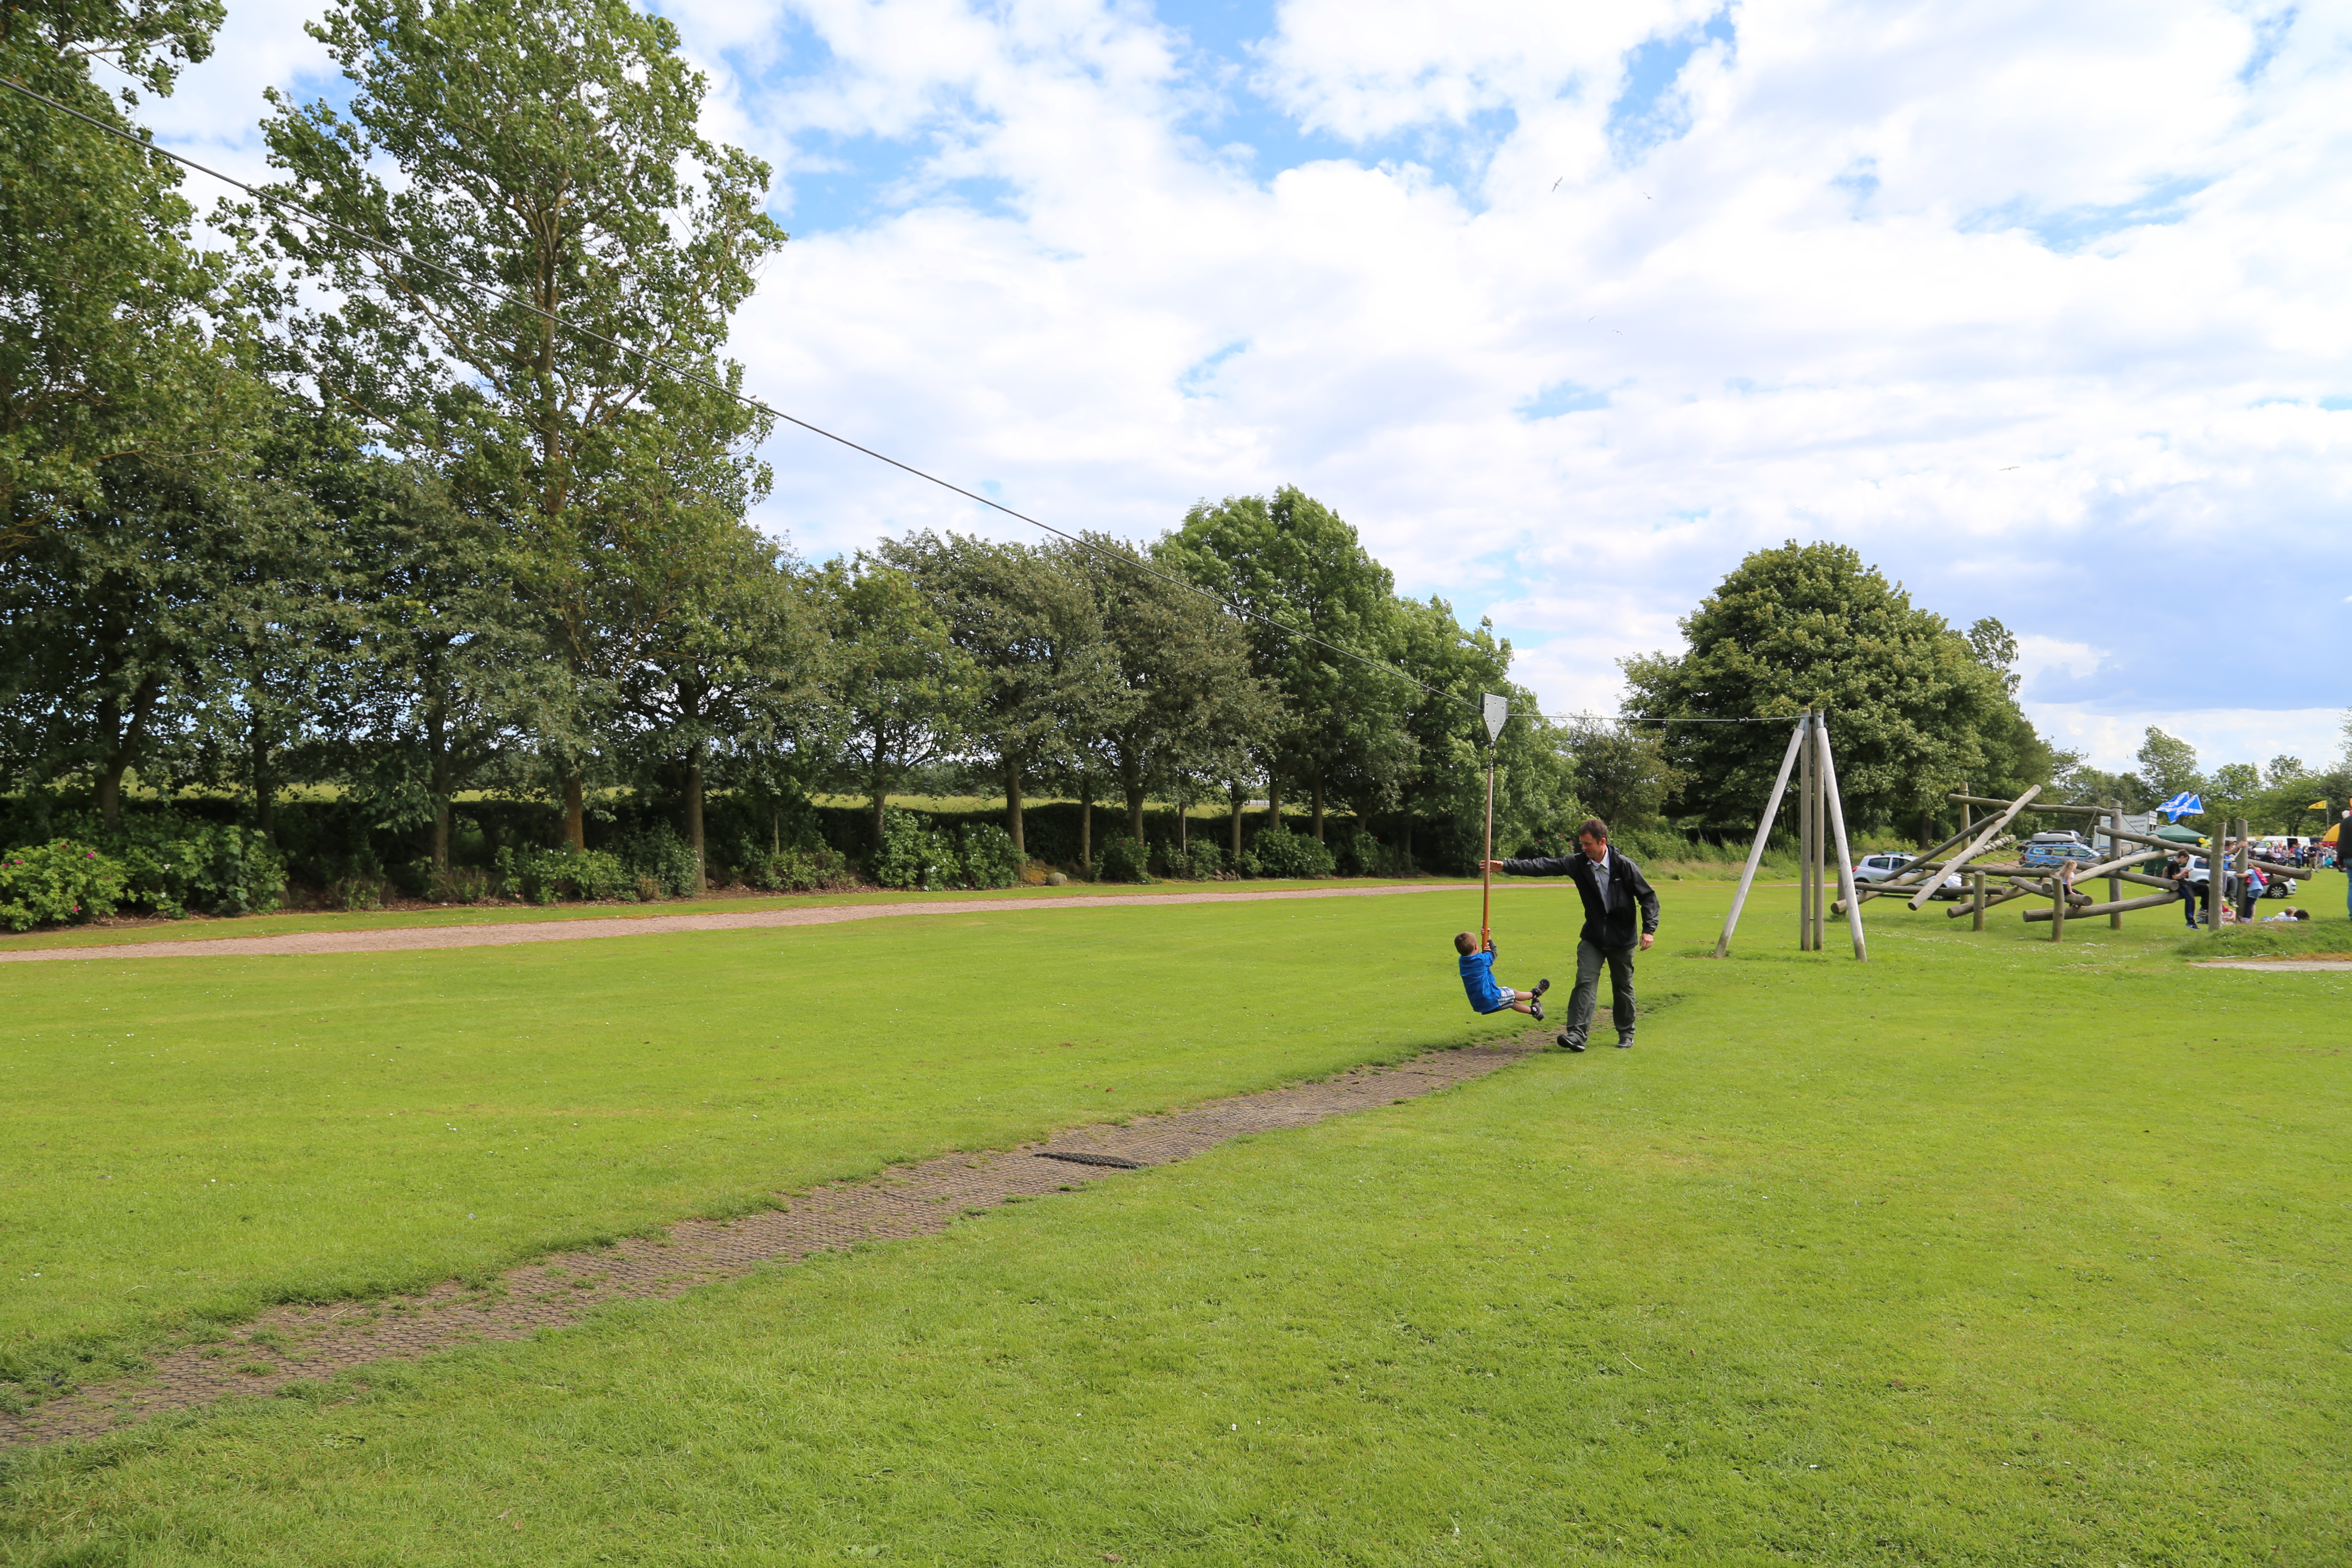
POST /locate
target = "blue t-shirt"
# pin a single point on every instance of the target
(1478, 980)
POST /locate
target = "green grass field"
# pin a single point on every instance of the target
(1990, 1251)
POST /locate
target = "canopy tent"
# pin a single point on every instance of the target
(2177, 833)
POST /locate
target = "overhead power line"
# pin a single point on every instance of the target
(303, 213)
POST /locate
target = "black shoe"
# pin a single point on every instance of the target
(1541, 986)
(1624, 1042)
(1568, 1044)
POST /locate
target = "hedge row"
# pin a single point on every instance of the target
(195, 854)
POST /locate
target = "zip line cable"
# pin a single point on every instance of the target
(302, 213)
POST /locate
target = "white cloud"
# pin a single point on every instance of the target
(2111, 740)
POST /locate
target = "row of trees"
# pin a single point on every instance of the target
(341, 502)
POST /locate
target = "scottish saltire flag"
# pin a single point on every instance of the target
(2182, 804)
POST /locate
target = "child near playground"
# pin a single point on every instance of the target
(1478, 980)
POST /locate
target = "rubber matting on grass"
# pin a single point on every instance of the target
(294, 1343)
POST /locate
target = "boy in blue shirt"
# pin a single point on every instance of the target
(1478, 980)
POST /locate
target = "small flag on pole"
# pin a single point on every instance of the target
(1497, 710)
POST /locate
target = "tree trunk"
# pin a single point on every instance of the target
(438, 783)
(880, 800)
(1012, 803)
(694, 820)
(265, 788)
(1240, 799)
(1318, 805)
(1131, 778)
(1086, 826)
(775, 830)
(1273, 798)
(575, 813)
(110, 796)
(1405, 844)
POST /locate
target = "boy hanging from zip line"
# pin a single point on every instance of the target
(1478, 980)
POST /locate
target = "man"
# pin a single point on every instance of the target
(1613, 889)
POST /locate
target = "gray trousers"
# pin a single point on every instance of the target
(1588, 960)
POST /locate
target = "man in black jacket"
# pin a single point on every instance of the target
(1614, 887)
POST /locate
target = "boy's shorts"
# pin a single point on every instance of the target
(1493, 1005)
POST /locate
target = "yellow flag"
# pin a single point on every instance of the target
(2317, 805)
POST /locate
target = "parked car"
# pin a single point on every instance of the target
(1879, 868)
(2056, 848)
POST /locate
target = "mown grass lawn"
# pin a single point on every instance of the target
(187, 1139)
(1990, 1251)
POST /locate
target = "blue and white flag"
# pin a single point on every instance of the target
(2182, 804)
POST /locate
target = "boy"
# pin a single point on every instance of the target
(1478, 980)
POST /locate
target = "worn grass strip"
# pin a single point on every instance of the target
(184, 1144)
(293, 1345)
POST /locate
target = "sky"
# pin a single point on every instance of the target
(1568, 307)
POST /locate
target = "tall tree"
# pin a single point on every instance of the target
(547, 150)
(104, 348)
(1297, 567)
(907, 695)
(1914, 709)
(1030, 621)
(728, 669)
(1184, 687)
(446, 676)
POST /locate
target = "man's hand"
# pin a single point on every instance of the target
(1647, 938)
(1491, 865)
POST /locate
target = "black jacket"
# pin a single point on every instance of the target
(1603, 927)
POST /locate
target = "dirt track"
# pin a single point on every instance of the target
(405, 939)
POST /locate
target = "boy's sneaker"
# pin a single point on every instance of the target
(1541, 986)
(1568, 1044)
(1536, 1009)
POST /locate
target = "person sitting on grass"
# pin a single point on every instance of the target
(2286, 915)
(1478, 979)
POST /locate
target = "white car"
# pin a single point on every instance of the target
(1879, 868)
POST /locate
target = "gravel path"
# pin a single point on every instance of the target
(2337, 966)
(408, 938)
(294, 1343)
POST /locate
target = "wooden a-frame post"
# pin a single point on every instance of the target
(1763, 832)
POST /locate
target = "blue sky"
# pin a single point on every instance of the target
(1569, 306)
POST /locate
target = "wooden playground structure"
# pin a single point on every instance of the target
(1821, 818)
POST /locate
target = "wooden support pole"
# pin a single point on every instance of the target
(2149, 902)
(1486, 894)
(1979, 900)
(2045, 806)
(1844, 849)
(1982, 842)
(2059, 898)
(1756, 850)
(2114, 881)
(1805, 837)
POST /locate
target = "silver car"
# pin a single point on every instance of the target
(1879, 868)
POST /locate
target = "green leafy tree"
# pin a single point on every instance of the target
(1297, 567)
(1533, 799)
(105, 312)
(1183, 689)
(2168, 764)
(1620, 771)
(728, 669)
(1914, 707)
(905, 694)
(446, 678)
(1031, 624)
(550, 151)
